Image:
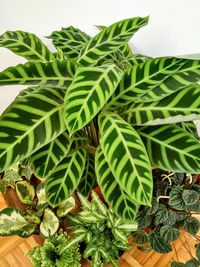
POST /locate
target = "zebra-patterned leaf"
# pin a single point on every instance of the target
(178, 150)
(27, 91)
(30, 123)
(109, 40)
(49, 156)
(88, 93)
(88, 179)
(58, 73)
(27, 45)
(188, 74)
(114, 195)
(70, 40)
(126, 157)
(190, 127)
(65, 177)
(183, 105)
(139, 79)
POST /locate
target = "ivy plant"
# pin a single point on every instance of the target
(96, 103)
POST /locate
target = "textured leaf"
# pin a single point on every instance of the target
(70, 40)
(158, 244)
(38, 120)
(49, 224)
(143, 219)
(64, 178)
(13, 222)
(191, 225)
(27, 45)
(114, 195)
(169, 233)
(41, 195)
(161, 216)
(192, 263)
(126, 157)
(88, 179)
(11, 176)
(109, 40)
(140, 237)
(3, 185)
(197, 246)
(25, 192)
(49, 156)
(88, 93)
(58, 73)
(178, 151)
(190, 197)
(183, 105)
(172, 217)
(154, 207)
(177, 264)
(175, 198)
(65, 207)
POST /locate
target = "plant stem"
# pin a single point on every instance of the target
(94, 133)
(91, 149)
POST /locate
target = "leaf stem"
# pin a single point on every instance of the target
(94, 133)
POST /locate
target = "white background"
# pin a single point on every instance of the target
(173, 29)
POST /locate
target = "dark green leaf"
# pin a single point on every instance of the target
(197, 246)
(192, 263)
(143, 219)
(158, 244)
(140, 237)
(177, 264)
(191, 225)
(169, 233)
(154, 207)
(161, 216)
(175, 198)
(190, 196)
(171, 218)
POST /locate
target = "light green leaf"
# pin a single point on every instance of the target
(25, 192)
(127, 159)
(65, 207)
(100, 205)
(3, 185)
(49, 224)
(11, 176)
(88, 93)
(41, 195)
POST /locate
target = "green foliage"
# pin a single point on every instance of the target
(158, 244)
(50, 254)
(191, 225)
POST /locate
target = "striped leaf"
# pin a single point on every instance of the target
(178, 150)
(183, 105)
(27, 45)
(58, 73)
(109, 40)
(126, 157)
(189, 127)
(70, 40)
(27, 91)
(49, 156)
(114, 195)
(141, 78)
(65, 177)
(30, 123)
(88, 93)
(188, 74)
(88, 179)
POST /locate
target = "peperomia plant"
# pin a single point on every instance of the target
(102, 235)
(95, 98)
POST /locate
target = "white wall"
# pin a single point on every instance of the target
(173, 29)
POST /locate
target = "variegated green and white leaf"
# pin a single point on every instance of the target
(11, 176)
(129, 227)
(49, 156)
(30, 123)
(183, 105)
(25, 192)
(188, 74)
(109, 40)
(88, 93)
(27, 45)
(126, 157)
(178, 150)
(73, 241)
(65, 207)
(64, 178)
(58, 73)
(13, 222)
(70, 40)
(41, 195)
(85, 203)
(100, 205)
(119, 235)
(88, 179)
(139, 79)
(121, 203)
(90, 217)
(49, 224)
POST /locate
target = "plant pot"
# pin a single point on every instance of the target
(38, 239)
(12, 199)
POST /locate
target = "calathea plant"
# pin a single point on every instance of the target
(124, 106)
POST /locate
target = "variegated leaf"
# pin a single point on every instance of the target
(178, 150)
(64, 178)
(121, 203)
(183, 105)
(89, 92)
(25, 192)
(49, 224)
(13, 222)
(109, 40)
(27, 45)
(65, 207)
(41, 195)
(37, 120)
(126, 157)
(100, 205)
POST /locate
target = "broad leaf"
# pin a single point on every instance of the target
(64, 178)
(190, 196)
(121, 203)
(88, 93)
(25, 192)
(192, 263)
(154, 207)
(177, 264)
(158, 244)
(181, 106)
(65, 207)
(49, 224)
(161, 215)
(143, 219)
(178, 150)
(126, 157)
(109, 40)
(190, 127)
(191, 225)
(172, 218)
(175, 198)
(38, 120)
(13, 222)
(11, 176)
(169, 233)
(58, 73)
(140, 237)
(27, 45)
(41, 195)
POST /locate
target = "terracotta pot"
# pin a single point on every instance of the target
(12, 199)
(38, 239)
